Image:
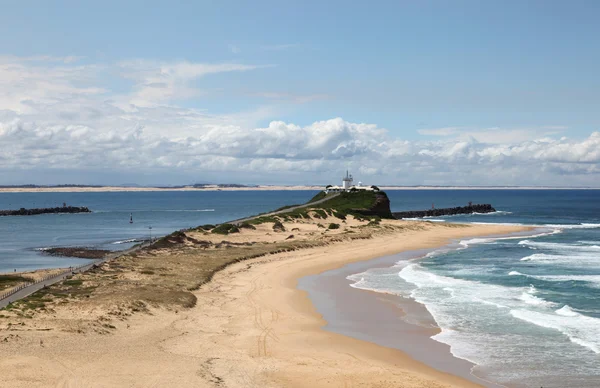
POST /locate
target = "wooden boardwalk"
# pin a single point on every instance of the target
(30, 288)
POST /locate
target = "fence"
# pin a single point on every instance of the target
(22, 286)
(58, 277)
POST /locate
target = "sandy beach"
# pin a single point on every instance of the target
(250, 325)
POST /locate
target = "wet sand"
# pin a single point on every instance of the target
(251, 327)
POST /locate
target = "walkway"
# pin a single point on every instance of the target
(33, 287)
(289, 209)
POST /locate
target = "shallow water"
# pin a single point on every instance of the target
(108, 226)
(525, 310)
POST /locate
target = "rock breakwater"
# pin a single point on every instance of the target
(479, 208)
(46, 210)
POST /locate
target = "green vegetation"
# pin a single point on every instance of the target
(338, 214)
(347, 202)
(247, 225)
(319, 213)
(262, 220)
(278, 227)
(318, 197)
(73, 282)
(333, 226)
(226, 229)
(340, 205)
(9, 281)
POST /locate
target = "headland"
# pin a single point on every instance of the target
(219, 306)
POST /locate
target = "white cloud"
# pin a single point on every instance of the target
(495, 135)
(160, 82)
(59, 116)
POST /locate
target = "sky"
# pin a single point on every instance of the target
(296, 92)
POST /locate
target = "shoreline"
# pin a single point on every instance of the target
(301, 301)
(250, 326)
(386, 318)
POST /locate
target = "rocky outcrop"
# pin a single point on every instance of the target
(380, 207)
(79, 252)
(484, 208)
(48, 210)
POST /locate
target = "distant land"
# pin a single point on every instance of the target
(241, 187)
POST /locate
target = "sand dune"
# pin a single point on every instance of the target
(250, 327)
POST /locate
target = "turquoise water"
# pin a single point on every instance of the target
(525, 310)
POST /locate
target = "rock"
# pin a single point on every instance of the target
(49, 210)
(80, 252)
(484, 208)
(380, 208)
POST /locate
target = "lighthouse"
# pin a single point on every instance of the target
(347, 182)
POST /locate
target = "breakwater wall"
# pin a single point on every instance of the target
(483, 208)
(46, 210)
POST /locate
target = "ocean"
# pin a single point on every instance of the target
(108, 227)
(525, 310)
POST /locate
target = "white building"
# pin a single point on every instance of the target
(347, 181)
(348, 186)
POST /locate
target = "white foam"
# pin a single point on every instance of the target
(474, 241)
(574, 226)
(424, 219)
(464, 309)
(567, 311)
(574, 261)
(589, 242)
(533, 300)
(375, 282)
(129, 241)
(560, 246)
(594, 279)
(580, 329)
(496, 213)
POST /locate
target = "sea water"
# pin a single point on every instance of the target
(525, 310)
(155, 214)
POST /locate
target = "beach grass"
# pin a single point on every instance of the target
(163, 275)
(10, 281)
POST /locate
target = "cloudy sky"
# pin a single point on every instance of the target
(272, 92)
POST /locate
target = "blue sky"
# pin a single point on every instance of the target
(430, 73)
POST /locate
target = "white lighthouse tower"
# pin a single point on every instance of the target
(347, 182)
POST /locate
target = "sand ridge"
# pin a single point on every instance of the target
(250, 326)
